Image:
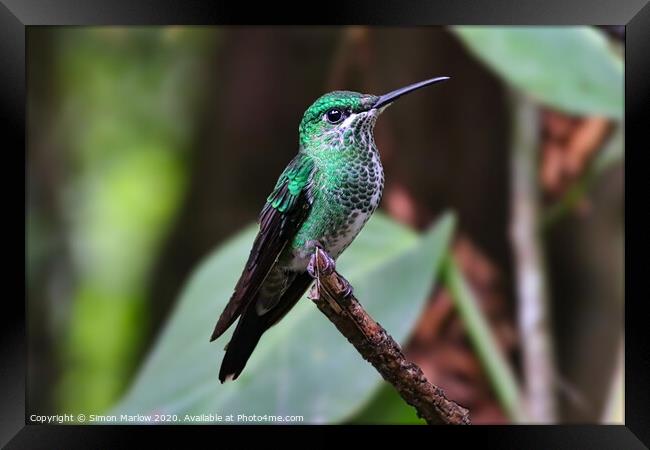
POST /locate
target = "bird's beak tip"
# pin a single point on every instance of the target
(387, 99)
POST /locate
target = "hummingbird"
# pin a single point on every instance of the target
(322, 199)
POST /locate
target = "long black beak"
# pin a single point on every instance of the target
(394, 95)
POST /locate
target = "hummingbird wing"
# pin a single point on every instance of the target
(285, 210)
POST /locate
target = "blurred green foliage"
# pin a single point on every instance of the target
(128, 114)
(573, 69)
(496, 365)
(386, 408)
(303, 366)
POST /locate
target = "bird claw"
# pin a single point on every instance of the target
(314, 293)
(347, 288)
(311, 270)
(325, 266)
(328, 265)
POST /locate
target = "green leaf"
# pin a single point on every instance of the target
(495, 363)
(386, 408)
(569, 68)
(302, 366)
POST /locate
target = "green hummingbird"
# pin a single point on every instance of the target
(323, 199)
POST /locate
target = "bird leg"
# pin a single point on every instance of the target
(313, 270)
(326, 267)
(322, 264)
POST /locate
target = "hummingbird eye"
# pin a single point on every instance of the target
(334, 115)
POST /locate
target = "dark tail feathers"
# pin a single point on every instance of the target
(244, 340)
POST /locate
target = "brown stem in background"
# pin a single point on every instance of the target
(332, 294)
(531, 283)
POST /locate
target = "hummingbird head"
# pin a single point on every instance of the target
(334, 113)
(338, 116)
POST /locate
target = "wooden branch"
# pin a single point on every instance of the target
(333, 296)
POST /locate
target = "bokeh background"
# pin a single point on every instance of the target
(500, 234)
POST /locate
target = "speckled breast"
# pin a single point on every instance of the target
(353, 203)
(347, 188)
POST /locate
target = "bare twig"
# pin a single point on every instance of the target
(333, 296)
(533, 305)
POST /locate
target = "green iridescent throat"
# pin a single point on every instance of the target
(348, 179)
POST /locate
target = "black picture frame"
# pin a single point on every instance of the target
(17, 15)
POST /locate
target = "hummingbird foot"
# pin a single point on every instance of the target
(314, 292)
(347, 288)
(326, 263)
(322, 264)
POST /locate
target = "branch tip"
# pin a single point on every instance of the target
(376, 346)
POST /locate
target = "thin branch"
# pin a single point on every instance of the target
(333, 296)
(533, 305)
